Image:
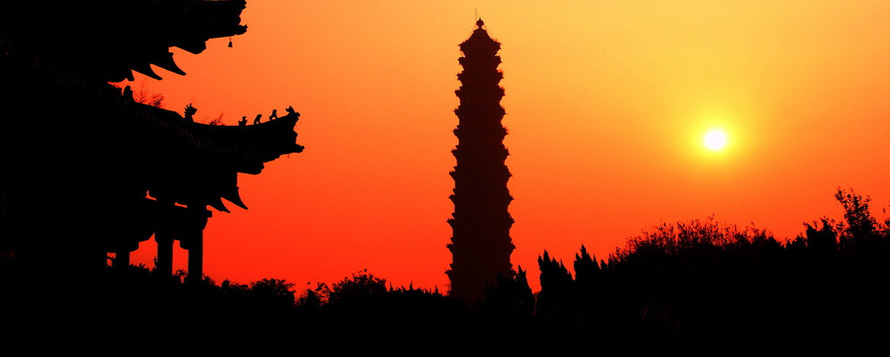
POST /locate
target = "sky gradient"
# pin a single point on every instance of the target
(607, 105)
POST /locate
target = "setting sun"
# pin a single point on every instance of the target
(716, 140)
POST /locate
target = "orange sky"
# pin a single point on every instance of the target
(606, 106)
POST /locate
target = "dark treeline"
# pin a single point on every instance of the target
(701, 281)
(683, 282)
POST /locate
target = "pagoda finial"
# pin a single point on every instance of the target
(479, 22)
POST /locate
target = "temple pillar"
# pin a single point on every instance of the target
(121, 258)
(197, 222)
(164, 238)
(196, 258)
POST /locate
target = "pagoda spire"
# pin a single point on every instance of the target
(480, 244)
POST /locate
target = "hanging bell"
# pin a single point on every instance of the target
(230, 42)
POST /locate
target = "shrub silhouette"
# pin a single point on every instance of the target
(315, 298)
(273, 292)
(362, 286)
(510, 297)
(557, 288)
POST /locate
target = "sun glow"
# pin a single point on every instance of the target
(716, 140)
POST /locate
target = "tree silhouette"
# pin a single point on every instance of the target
(315, 298)
(144, 96)
(510, 297)
(860, 225)
(277, 291)
(362, 286)
(586, 267)
(557, 286)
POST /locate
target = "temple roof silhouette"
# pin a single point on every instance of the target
(80, 63)
(90, 158)
(107, 39)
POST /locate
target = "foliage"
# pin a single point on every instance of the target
(680, 238)
(152, 99)
(704, 280)
(859, 224)
(510, 297)
(277, 290)
(556, 286)
(146, 97)
(586, 267)
(314, 298)
(217, 121)
(362, 286)
(142, 95)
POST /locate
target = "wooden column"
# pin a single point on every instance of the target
(196, 258)
(121, 258)
(164, 238)
(197, 221)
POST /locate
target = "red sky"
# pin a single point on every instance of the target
(606, 102)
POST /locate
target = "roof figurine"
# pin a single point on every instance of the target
(190, 112)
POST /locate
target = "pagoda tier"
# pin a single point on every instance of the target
(481, 243)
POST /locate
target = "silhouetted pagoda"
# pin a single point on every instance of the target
(88, 170)
(481, 244)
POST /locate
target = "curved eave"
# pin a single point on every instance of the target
(77, 142)
(87, 38)
(262, 142)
